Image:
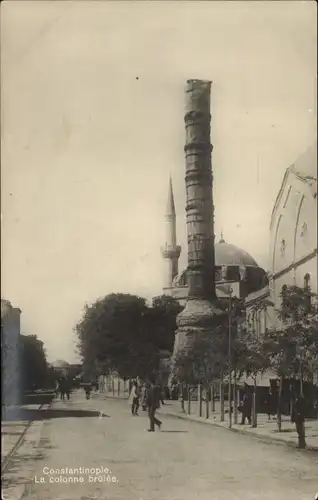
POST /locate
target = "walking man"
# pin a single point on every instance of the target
(62, 388)
(247, 406)
(153, 403)
(299, 419)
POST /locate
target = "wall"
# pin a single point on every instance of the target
(10, 334)
(181, 293)
(293, 231)
(293, 235)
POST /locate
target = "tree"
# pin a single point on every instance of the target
(34, 368)
(252, 360)
(121, 334)
(112, 332)
(293, 347)
(164, 312)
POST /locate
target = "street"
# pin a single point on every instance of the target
(185, 461)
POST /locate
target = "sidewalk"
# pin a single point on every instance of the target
(14, 429)
(266, 430)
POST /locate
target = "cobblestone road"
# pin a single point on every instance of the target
(185, 461)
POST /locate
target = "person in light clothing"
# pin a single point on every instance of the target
(134, 398)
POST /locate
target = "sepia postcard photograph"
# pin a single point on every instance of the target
(159, 302)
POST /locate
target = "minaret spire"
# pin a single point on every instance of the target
(170, 209)
(170, 251)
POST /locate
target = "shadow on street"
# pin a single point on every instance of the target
(173, 431)
(35, 415)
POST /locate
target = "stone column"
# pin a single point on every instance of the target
(200, 313)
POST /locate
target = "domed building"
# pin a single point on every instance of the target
(60, 363)
(293, 248)
(234, 266)
(66, 369)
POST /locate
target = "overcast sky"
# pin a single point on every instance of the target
(92, 125)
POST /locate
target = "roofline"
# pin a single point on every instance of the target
(304, 178)
(280, 193)
(292, 169)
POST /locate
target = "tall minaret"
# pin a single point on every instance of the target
(170, 251)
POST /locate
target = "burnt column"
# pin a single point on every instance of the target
(199, 207)
(200, 313)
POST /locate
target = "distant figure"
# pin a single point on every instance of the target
(134, 398)
(174, 392)
(62, 388)
(57, 390)
(153, 403)
(88, 390)
(166, 392)
(161, 395)
(143, 397)
(269, 404)
(247, 406)
(68, 389)
(299, 412)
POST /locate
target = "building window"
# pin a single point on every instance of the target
(306, 281)
(282, 247)
(249, 321)
(304, 230)
(287, 196)
(265, 321)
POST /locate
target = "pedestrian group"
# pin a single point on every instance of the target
(149, 396)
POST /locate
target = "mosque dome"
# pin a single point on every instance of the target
(232, 264)
(60, 363)
(231, 255)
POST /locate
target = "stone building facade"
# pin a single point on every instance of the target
(10, 352)
(293, 241)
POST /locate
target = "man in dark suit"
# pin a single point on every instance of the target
(153, 403)
(299, 412)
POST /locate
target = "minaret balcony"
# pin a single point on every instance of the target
(171, 251)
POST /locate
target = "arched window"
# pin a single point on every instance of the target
(282, 247)
(304, 230)
(306, 281)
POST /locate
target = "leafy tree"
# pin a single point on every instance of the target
(34, 368)
(293, 347)
(164, 312)
(120, 333)
(252, 361)
(111, 334)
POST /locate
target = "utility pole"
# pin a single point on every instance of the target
(230, 357)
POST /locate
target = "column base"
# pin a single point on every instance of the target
(200, 316)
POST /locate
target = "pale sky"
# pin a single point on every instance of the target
(87, 148)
